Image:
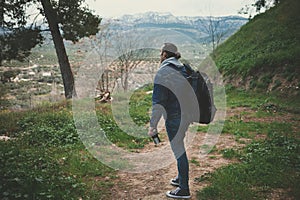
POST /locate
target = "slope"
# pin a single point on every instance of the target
(264, 53)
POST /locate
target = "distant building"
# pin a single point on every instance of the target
(46, 74)
(31, 73)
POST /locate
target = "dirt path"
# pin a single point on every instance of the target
(154, 185)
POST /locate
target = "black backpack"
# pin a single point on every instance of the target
(203, 89)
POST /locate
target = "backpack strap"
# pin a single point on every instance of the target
(188, 69)
(184, 69)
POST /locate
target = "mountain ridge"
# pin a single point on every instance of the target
(192, 26)
(150, 15)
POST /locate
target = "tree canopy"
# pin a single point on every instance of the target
(259, 5)
(20, 31)
(17, 37)
(66, 19)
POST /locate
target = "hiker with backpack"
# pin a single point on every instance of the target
(170, 85)
(182, 96)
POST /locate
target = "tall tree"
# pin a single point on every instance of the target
(65, 68)
(67, 19)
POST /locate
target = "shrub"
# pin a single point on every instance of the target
(49, 128)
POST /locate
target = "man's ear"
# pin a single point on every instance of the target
(164, 55)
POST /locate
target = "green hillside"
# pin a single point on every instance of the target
(265, 52)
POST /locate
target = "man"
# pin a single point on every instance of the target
(170, 88)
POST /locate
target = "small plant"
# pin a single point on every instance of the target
(49, 128)
(230, 153)
(195, 162)
(204, 177)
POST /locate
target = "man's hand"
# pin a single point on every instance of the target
(152, 131)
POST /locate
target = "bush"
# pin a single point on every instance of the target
(49, 128)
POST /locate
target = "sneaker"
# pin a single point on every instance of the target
(174, 181)
(179, 193)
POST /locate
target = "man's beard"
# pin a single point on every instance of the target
(161, 60)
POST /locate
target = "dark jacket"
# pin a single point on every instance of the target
(169, 86)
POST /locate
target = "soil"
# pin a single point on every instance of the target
(154, 185)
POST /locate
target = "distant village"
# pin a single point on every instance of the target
(26, 86)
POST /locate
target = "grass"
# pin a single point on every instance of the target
(116, 135)
(30, 173)
(265, 165)
(257, 174)
(46, 160)
(140, 105)
(250, 129)
(259, 107)
(230, 153)
(261, 101)
(195, 162)
(266, 46)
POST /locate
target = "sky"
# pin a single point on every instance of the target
(117, 8)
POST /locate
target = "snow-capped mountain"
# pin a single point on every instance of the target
(151, 17)
(169, 18)
(194, 27)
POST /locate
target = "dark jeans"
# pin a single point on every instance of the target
(176, 134)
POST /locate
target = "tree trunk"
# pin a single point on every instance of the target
(65, 68)
(2, 12)
(1, 24)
